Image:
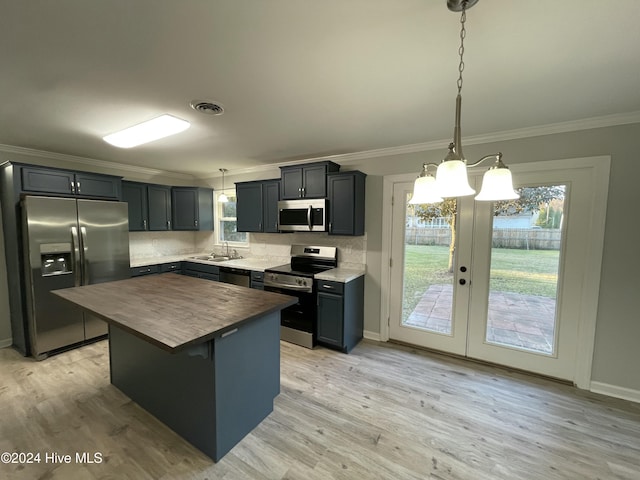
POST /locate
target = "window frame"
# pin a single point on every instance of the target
(219, 218)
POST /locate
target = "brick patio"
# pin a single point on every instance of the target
(523, 321)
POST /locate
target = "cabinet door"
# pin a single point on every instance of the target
(135, 194)
(346, 203)
(249, 206)
(103, 186)
(184, 205)
(159, 202)
(291, 183)
(330, 318)
(314, 182)
(270, 197)
(47, 181)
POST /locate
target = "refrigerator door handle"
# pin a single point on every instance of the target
(85, 263)
(75, 246)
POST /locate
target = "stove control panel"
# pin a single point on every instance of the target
(291, 282)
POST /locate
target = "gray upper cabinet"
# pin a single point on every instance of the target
(192, 208)
(257, 206)
(270, 197)
(69, 183)
(159, 202)
(135, 194)
(346, 195)
(149, 206)
(305, 181)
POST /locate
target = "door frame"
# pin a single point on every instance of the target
(599, 167)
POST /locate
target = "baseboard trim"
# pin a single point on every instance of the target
(615, 391)
(371, 335)
(6, 342)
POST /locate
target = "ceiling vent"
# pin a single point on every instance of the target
(210, 108)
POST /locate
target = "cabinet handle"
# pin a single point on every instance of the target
(230, 332)
(77, 187)
(168, 224)
(144, 224)
(260, 226)
(328, 287)
(73, 187)
(196, 223)
(304, 192)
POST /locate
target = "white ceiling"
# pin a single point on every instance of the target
(303, 79)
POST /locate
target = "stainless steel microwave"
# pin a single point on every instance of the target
(303, 215)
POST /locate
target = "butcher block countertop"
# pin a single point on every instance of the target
(174, 311)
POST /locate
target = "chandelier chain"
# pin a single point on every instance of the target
(463, 34)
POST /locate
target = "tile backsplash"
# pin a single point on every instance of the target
(275, 246)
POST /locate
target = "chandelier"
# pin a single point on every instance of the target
(451, 178)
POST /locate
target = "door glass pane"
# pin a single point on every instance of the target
(427, 295)
(525, 259)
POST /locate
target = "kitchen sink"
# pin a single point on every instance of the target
(210, 258)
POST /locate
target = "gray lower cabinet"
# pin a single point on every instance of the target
(201, 270)
(257, 280)
(157, 268)
(144, 270)
(340, 313)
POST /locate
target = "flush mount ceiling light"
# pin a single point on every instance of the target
(451, 178)
(222, 198)
(145, 132)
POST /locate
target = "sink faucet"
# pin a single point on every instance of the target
(227, 244)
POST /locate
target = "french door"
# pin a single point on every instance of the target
(504, 282)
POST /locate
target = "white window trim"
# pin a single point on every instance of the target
(219, 218)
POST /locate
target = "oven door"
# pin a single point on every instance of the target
(302, 215)
(298, 321)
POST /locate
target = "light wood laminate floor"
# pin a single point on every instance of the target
(382, 412)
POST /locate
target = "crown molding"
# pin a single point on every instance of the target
(537, 131)
(91, 161)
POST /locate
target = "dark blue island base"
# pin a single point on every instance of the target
(212, 394)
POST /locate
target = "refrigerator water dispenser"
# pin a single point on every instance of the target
(55, 259)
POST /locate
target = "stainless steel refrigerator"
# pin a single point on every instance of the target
(69, 242)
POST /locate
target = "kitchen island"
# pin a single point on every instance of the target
(203, 357)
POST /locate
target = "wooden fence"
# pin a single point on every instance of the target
(520, 238)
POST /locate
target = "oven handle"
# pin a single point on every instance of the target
(288, 287)
(309, 210)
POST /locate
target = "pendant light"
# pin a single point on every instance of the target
(451, 178)
(222, 198)
(424, 189)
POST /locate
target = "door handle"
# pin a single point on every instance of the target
(85, 262)
(75, 246)
(309, 218)
(462, 281)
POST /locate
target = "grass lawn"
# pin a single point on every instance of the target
(531, 272)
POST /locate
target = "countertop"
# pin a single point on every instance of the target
(256, 264)
(174, 311)
(342, 275)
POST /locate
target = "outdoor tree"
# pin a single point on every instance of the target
(531, 199)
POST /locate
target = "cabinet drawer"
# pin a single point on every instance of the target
(330, 287)
(170, 267)
(257, 276)
(202, 267)
(146, 270)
